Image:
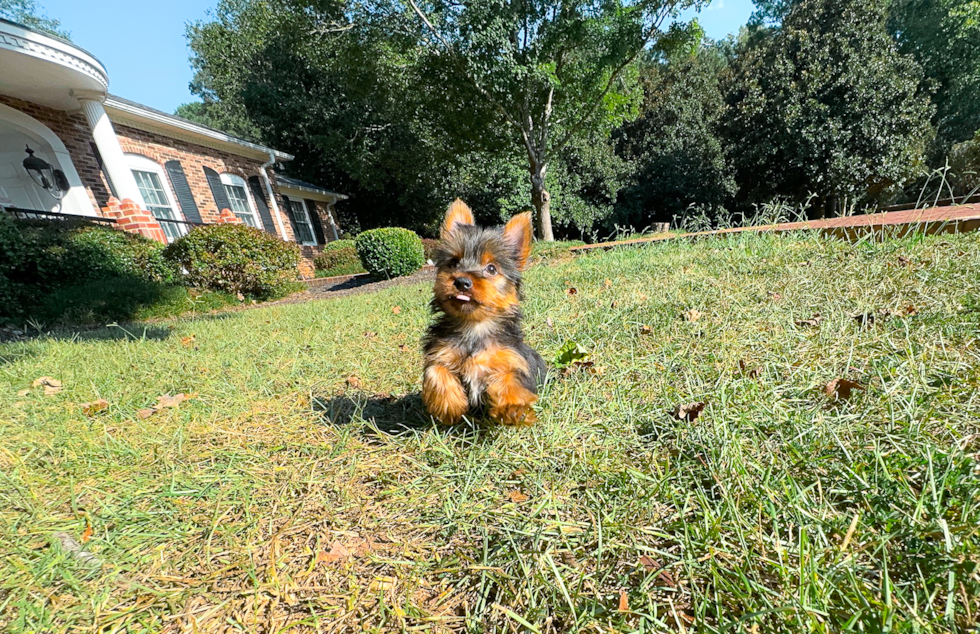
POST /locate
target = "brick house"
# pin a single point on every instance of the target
(151, 172)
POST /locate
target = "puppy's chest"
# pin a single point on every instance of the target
(476, 368)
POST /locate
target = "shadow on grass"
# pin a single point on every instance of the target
(395, 416)
(392, 415)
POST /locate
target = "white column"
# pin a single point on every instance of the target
(112, 155)
(333, 223)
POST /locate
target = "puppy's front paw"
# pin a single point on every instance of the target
(443, 395)
(516, 415)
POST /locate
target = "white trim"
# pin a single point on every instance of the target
(142, 163)
(306, 213)
(324, 195)
(14, 37)
(234, 180)
(76, 200)
(135, 114)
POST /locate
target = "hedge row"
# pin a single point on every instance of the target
(40, 259)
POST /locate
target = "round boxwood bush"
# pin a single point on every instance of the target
(390, 252)
(235, 258)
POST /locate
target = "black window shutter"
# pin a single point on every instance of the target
(259, 195)
(315, 219)
(183, 191)
(217, 189)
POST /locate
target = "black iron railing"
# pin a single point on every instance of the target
(36, 214)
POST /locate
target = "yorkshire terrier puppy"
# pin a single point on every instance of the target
(475, 353)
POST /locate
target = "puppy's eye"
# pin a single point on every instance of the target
(491, 269)
(452, 263)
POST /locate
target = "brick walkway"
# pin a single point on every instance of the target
(956, 219)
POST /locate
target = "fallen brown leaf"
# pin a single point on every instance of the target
(904, 261)
(840, 389)
(166, 400)
(691, 315)
(187, 341)
(87, 533)
(146, 413)
(396, 310)
(813, 322)
(624, 601)
(338, 552)
(688, 411)
(516, 496)
(608, 283)
(568, 558)
(50, 385)
(403, 347)
(752, 372)
(354, 382)
(650, 564)
(645, 330)
(774, 296)
(94, 407)
(370, 334)
(240, 297)
(572, 290)
(865, 320)
(910, 310)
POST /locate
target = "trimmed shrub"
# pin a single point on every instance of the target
(338, 258)
(430, 248)
(234, 258)
(390, 252)
(39, 256)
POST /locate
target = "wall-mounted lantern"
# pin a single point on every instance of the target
(47, 177)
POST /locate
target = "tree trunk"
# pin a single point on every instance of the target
(541, 200)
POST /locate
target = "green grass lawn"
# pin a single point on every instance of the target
(287, 493)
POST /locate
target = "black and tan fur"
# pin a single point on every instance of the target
(475, 352)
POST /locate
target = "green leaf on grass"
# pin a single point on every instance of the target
(570, 352)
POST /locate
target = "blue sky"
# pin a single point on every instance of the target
(142, 42)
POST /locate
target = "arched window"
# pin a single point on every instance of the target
(159, 198)
(240, 200)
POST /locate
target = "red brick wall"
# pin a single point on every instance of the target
(74, 132)
(194, 158)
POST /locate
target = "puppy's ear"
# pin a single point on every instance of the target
(459, 213)
(517, 233)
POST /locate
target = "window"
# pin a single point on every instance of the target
(238, 198)
(156, 194)
(301, 220)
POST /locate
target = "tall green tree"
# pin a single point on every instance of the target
(678, 156)
(339, 87)
(944, 36)
(30, 14)
(826, 106)
(551, 71)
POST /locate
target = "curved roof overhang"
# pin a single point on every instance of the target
(47, 70)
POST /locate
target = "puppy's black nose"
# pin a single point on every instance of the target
(463, 283)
